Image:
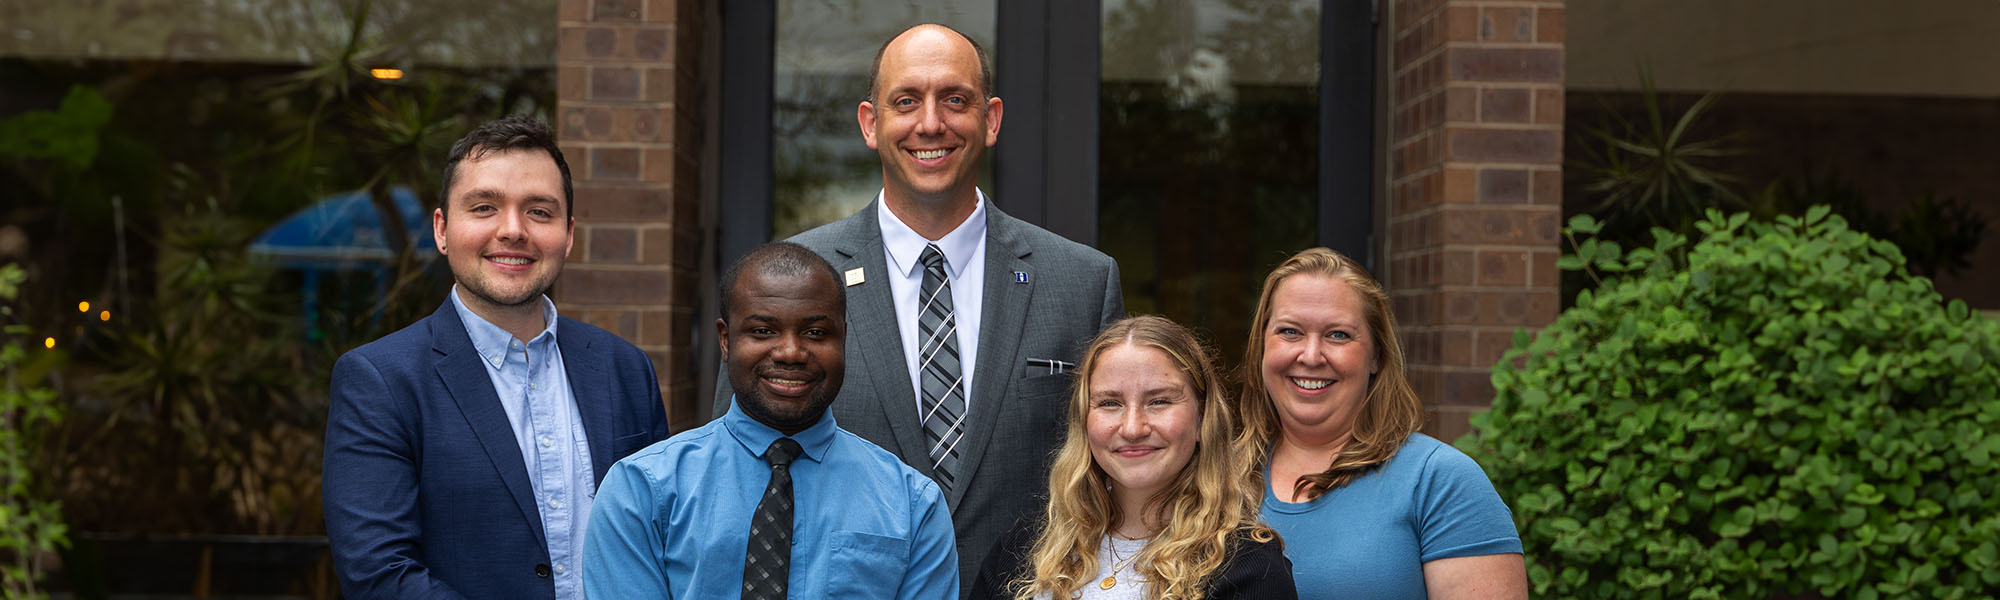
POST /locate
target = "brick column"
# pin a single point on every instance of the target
(1475, 202)
(628, 115)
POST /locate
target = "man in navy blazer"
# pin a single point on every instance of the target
(463, 452)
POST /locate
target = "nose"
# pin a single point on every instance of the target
(1134, 425)
(513, 226)
(1314, 353)
(789, 350)
(929, 120)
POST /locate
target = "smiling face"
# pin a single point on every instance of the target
(1318, 356)
(929, 120)
(784, 346)
(1143, 420)
(504, 228)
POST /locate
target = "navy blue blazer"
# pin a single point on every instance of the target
(424, 488)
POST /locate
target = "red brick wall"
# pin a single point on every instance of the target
(629, 116)
(1475, 194)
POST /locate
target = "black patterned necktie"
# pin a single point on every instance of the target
(942, 393)
(767, 562)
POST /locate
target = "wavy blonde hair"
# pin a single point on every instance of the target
(1389, 414)
(1211, 503)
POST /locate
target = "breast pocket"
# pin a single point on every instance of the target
(865, 565)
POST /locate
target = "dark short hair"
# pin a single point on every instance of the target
(783, 259)
(512, 132)
(985, 62)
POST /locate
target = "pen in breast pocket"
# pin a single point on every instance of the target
(1053, 366)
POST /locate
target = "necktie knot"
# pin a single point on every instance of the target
(932, 257)
(782, 452)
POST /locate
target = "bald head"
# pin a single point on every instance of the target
(928, 33)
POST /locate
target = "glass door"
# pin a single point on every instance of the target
(1209, 152)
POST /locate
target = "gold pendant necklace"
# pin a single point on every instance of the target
(1117, 564)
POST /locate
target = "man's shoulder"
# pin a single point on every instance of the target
(864, 456)
(845, 232)
(1042, 242)
(663, 455)
(597, 338)
(398, 348)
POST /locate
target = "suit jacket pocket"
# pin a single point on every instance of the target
(1035, 383)
(865, 565)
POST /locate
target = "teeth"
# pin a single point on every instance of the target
(509, 260)
(1311, 384)
(930, 154)
(785, 381)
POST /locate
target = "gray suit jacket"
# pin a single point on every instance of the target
(1017, 411)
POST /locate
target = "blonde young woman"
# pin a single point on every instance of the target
(1147, 498)
(1369, 508)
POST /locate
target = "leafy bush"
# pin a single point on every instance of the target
(30, 524)
(1780, 409)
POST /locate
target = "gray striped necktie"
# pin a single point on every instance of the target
(943, 391)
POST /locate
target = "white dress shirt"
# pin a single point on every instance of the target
(965, 265)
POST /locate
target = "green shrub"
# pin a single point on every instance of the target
(1780, 409)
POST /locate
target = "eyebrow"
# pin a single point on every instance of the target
(1150, 392)
(774, 319)
(947, 89)
(493, 194)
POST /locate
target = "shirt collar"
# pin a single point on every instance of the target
(489, 340)
(905, 245)
(757, 437)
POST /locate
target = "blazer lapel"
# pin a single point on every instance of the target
(472, 389)
(873, 335)
(593, 391)
(1003, 314)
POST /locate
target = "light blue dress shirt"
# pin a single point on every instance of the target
(673, 520)
(534, 390)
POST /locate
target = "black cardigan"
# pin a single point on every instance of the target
(1255, 570)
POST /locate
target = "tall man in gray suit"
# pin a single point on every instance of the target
(963, 321)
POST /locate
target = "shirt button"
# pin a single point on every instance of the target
(546, 443)
(531, 386)
(554, 503)
(559, 569)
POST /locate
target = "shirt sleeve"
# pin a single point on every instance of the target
(1460, 512)
(624, 553)
(369, 483)
(933, 561)
(1257, 571)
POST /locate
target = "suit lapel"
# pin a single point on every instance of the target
(472, 389)
(1003, 314)
(874, 335)
(593, 392)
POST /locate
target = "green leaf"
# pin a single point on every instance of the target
(1584, 224)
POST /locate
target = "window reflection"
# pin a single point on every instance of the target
(1210, 137)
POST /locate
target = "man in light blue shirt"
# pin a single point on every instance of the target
(773, 500)
(462, 452)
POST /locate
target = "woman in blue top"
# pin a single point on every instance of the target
(1368, 507)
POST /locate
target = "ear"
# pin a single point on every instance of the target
(569, 237)
(992, 121)
(437, 229)
(864, 116)
(722, 337)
